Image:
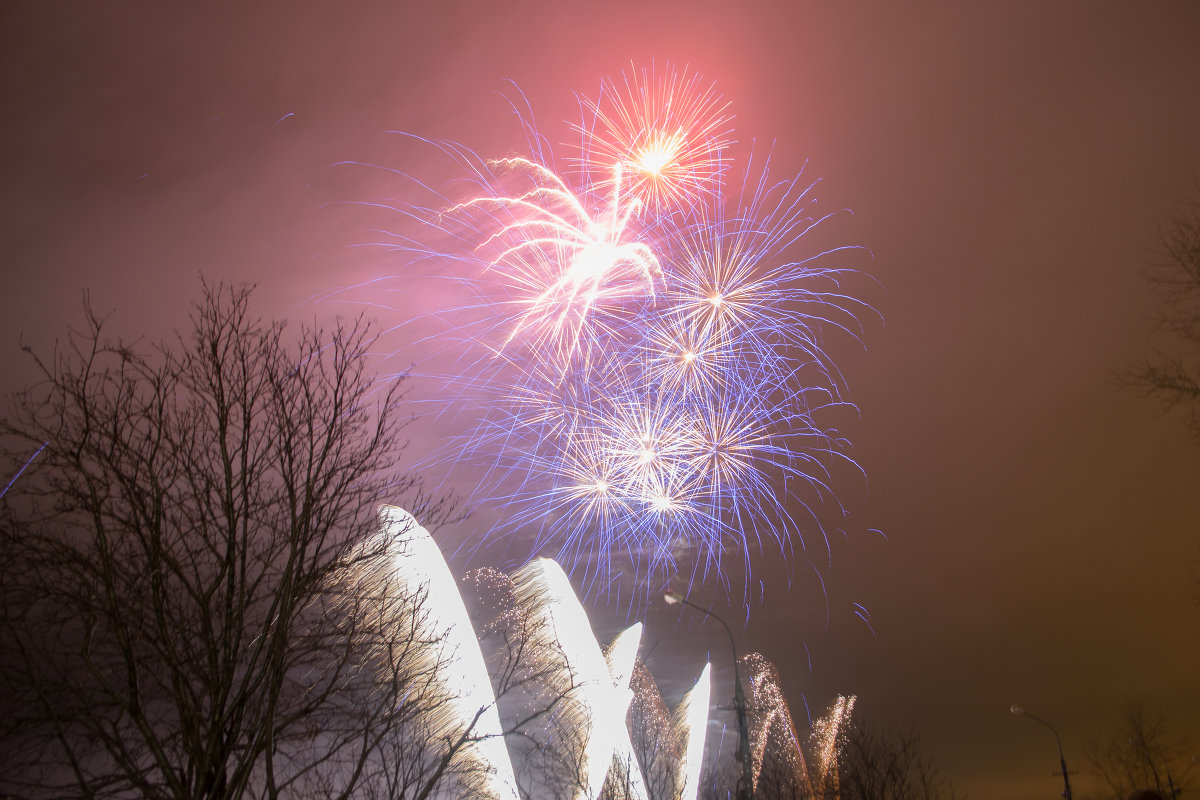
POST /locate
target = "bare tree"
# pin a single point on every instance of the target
(1174, 377)
(1141, 754)
(880, 763)
(171, 621)
(526, 665)
(875, 763)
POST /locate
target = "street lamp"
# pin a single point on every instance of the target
(1017, 711)
(746, 784)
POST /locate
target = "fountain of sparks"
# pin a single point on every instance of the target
(592, 686)
(610, 727)
(775, 746)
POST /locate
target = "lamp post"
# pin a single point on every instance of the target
(1017, 711)
(746, 783)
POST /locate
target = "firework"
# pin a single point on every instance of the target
(691, 719)
(676, 422)
(644, 347)
(564, 265)
(621, 656)
(773, 732)
(662, 134)
(594, 703)
(462, 701)
(587, 689)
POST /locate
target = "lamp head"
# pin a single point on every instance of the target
(672, 598)
(1017, 710)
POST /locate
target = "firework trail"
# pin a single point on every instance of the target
(594, 687)
(644, 346)
(773, 732)
(621, 656)
(691, 720)
(655, 737)
(420, 595)
(825, 742)
(594, 700)
(657, 753)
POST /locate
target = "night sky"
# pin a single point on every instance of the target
(1007, 164)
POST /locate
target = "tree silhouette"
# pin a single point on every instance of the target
(1173, 377)
(1141, 755)
(173, 620)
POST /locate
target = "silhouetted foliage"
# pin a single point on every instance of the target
(873, 763)
(1174, 377)
(881, 763)
(1141, 755)
(174, 620)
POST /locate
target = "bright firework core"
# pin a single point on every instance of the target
(660, 154)
(651, 375)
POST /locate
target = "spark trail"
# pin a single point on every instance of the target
(593, 686)
(593, 689)
(773, 737)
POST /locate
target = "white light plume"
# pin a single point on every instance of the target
(417, 563)
(594, 688)
(622, 657)
(691, 723)
(582, 676)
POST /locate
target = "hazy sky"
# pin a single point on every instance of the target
(1007, 164)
